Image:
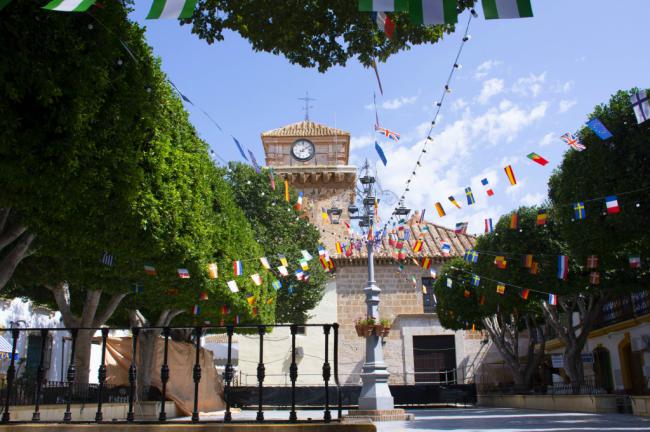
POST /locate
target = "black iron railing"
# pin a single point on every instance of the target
(623, 308)
(102, 392)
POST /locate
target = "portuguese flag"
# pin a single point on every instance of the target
(537, 158)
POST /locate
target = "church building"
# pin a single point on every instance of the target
(314, 158)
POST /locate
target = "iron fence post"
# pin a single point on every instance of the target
(326, 374)
(101, 377)
(260, 374)
(164, 376)
(196, 374)
(72, 373)
(227, 417)
(11, 372)
(133, 373)
(293, 373)
(336, 370)
(40, 377)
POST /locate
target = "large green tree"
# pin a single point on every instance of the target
(312, 33)
(618, 166)
(282, 230)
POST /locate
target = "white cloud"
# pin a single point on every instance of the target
(531, 199)
(548, 139)
(484, 68)
(357, 143)
(491, 87)
(458, 104)
(393, 104)
(515, 190)
(504, 123)
(566, 105)
(531, 85)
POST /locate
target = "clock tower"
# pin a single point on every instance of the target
(314, 159)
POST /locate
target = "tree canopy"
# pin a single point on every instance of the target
(312, 33)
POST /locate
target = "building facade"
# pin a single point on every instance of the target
(314, 159)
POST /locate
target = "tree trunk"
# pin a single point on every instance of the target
(147, 346)
(90, 318)
(15, 243)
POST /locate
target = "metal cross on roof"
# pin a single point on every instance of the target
(307, 99)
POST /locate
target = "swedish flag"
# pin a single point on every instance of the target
(579, 210)
(470, 196)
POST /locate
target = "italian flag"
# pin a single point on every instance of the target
(69, 5)
(383, 5)
(174, 9)
(434, 12)
(497, 9)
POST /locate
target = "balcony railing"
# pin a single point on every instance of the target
(623, 308)
(69, 392)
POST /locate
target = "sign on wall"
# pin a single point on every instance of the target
(557, 360)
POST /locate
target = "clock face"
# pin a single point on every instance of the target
(303, 150)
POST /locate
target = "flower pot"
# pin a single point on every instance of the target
(379, 329)
(360, 329)
(385, 332)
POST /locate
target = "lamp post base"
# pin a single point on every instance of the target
(375, 394)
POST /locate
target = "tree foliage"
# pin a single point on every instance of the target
(312, 33)
(282, 230)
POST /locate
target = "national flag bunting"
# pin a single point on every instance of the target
(426, 263)
(469, 195)
(481, 300)
(514, 221)
(298, 205)
(537, 158)
(511, 175)
(304, 264)
(635, 262)
(579, 210)
(466, 294)
(239, 147)
(501, 288)
(183, 273)
(534, 268)
(488, 189)
(450, 283)
(421, 220)
(641, 106)
(381, 154)
(445, 247)
(563, 267)
(471, 256)
(592, 262)
(461, 228)
(383, 5)
(213, 271)
(476, 280)
(66, 5)
(504, 9)
(306, 255)
(454, 202)
(488, 226)
(339, 248)
(233, 286)
(573, 141)
(286, 190)
(434, 274)
(300, 275)
(500, 262)
(203, 295)
(599, 129)
(552, 299)
(611, 202)
(176, 9)
(250, 299)
(440, 210)
(107, 259)
(276, 284)
(417, 247)
(542, 215)
(283, 270)
(528, 261)
(237, 268)
(433, 12)
(265, 263)
(524, 293)
(283, 260)
(385, 24)
(272, 178)
(196, 310)
(257, 280)
(594, 278)
(388, 133)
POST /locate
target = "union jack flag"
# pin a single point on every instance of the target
(573, 141)
(388, 133)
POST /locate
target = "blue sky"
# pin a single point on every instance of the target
(522, 84)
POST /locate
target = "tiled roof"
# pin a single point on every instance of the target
(303, 129)
(432, 236)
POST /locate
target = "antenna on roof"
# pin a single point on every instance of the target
(307, 99)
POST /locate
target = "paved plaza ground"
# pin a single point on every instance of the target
(487, 419)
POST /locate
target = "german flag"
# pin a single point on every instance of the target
(542, 215)
(511, 175)
(454, 202)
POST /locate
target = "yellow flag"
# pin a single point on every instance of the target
(286, 191)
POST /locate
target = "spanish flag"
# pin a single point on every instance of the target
(426, 263)
(528, 261)
(339, 250)
(418, 246)
(500, 262)
(511, 175)
(440, 210)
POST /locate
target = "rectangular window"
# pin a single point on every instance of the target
(434, 359)
(428, 299)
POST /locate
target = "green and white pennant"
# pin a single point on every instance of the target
(498, 9)
(69, 5)
(383, 5)
(174, 9)
(434, 11)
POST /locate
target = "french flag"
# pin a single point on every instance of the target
(552, 299)
(196, 310)
(237, 268)
(612, 204)
(488, 226)
(384, 23)
(563, 267)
